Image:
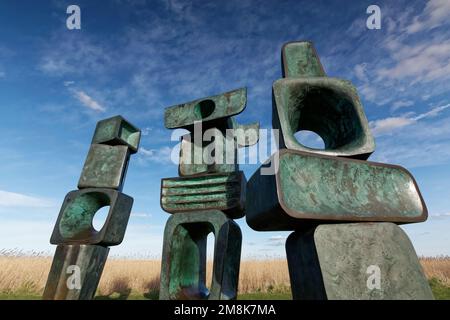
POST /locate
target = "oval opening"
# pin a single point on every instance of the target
(310, 139)
(205, 108)
(100, 218)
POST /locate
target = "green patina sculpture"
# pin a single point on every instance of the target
(183, 274)
(306, 99)
(323, 188)
(313, 188)
(82, 250)
(208, 194)
(344, 261)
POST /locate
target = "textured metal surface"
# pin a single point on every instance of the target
(332, 262)
(105, 167)
(193, 154)
(183, 274)
(311, 188)
(117, 131)
(300, 59)
(90, 259)
(74, 224)
(327, 106)
(211, 108)
(225, 192)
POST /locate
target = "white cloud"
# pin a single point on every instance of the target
(12, 199)
(402, 104)
(435, 14)
(277, 238)
(161, 155)
(88, 101)
(388, 125)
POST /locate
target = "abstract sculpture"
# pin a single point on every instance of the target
(81, 250)
(207, 196)
(366, 255)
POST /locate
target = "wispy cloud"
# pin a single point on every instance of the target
(435, 14)
(88, 101)
(161, 155)
(388, 125)
(12, 199)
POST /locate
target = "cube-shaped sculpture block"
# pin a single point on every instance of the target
(184, 257)
(308, 189)
(329, 107)
(217, 108)
(75, 265)
(117, 131)
(355, 261)
(225, 192)
(74, 224)
(105, 167)
(194, 153)
(300, 59)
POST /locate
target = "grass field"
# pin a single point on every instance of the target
(24, 277)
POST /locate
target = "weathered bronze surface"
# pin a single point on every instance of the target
(80, 245)
(117, 131)
(225, 192)
(219, 107)
(341, 261)
(74, 224)
(105, 167)
(192, 159)
(311, 189)
(70, 262)
(300, 59)
(183, 272)
(308, 100)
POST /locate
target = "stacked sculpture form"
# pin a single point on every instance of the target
(315, 189)
(207, 196)
(82, 251)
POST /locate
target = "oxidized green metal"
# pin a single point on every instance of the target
(80, 246)
(183, 270)
(345, 261)
(75, 272)
(74, 224)
(300, 59)
(219, 107)
(308, 100)
(310, 189)
(193, 154)
(225, 192)
(105, 167)
(117, 131)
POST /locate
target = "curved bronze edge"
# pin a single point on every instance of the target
(332, 218)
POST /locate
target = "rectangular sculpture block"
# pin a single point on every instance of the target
(117, 131)
(225, 192)
(355, 261)
(192, 156)
(309, 189)
(217, 107)
(74, 224)
(183, 270)
(105, 167)
(75, 272)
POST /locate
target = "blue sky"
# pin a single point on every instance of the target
(135, 58)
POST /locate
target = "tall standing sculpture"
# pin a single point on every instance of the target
(207, 196)
(343, 210)
(81, 250)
